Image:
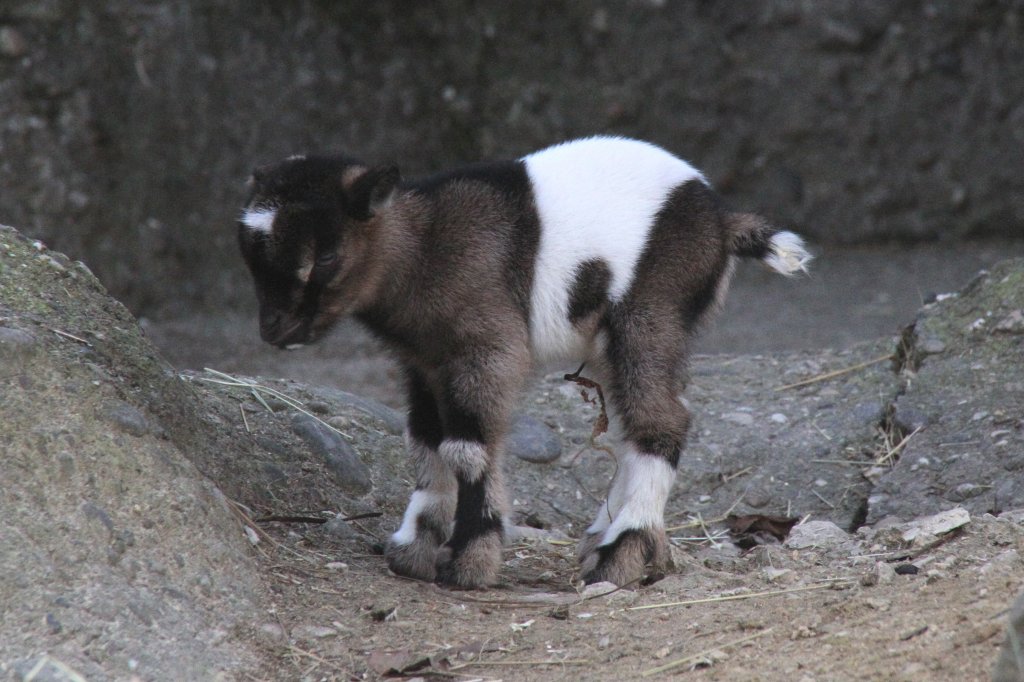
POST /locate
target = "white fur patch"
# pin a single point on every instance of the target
(420, 501)
(465, 457)
(788, 255)
(596, 199)
(640, 499)
(259, 219)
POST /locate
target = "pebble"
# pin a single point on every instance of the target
(340, 529)
(16, 343)
(931, 346)
(816, 534)
(532, 440)
(271, 633)
(127, 419)
(311, 632)
(922, 532)
(393, 420)
(779, 418)
(741, 418)
(349, 471)
(882, 573)
(1012, 323)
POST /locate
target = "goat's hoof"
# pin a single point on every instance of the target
(476, 565)
(417, 559)
(637, 556)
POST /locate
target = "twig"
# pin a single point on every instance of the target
(888, 457)
(241, 408)
(697, 656)
(730, 597)
(549, 661)
(818, 495)
(285, 518)
(227, 380)
(66, 335)
(836, 373)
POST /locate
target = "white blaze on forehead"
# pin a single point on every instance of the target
(259, 219)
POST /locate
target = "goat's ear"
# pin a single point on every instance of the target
(371, 191)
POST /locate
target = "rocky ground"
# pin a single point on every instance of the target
(170, 524)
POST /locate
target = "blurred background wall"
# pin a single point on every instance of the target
(128, 127)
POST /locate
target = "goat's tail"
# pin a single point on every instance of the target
(754, 237)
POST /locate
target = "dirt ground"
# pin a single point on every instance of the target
(770, 613)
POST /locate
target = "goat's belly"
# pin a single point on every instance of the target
(553, 337)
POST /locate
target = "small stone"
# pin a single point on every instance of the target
(15, 343)
(532, 440)
(931, 346)
(869, 413)
(909, 419)
(966, 491)
(271, 633)
(924, 531)
(127, 419)
(779, 418)
(349, 471)
(392, 419)
(336, 566)
(1012, 323)
(878, 604)
(906, 569)
(741, 418)
(816, 534)
(340, 529)
(311, 632)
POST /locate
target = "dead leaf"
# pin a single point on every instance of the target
(601, 423)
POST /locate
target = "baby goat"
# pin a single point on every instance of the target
(604, 250)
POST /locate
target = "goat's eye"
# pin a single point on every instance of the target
(326, 259)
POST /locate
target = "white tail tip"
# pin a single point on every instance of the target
(788, 255)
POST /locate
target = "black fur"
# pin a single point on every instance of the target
(589, 293)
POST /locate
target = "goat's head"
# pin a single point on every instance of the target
(308, 233)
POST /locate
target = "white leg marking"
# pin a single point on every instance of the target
(465, 457)
(788, 255)
(647, 481)
(420, 501)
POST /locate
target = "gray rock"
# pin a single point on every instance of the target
(127, 418)
(817, 535)
(532, 440)
(972, 394)
(340, 529)
(15, 343)
(349, 471)
(392, 419)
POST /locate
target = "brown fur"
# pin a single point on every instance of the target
(637, 555)
(442, 271)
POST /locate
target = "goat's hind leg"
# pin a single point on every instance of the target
(413, 550)
(627, 540)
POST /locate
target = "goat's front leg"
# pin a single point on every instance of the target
(413, 550)
(475, 412)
